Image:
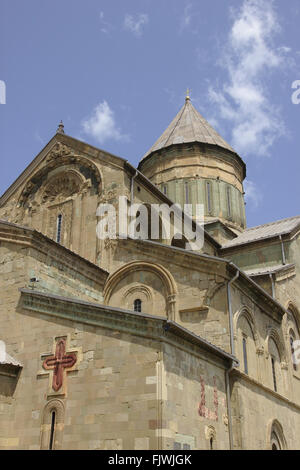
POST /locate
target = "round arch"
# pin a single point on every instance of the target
(293, 312)
(274, 335)
(88, 171)
(247, 344)
(164, 275)
(58, 407)
(245, 312)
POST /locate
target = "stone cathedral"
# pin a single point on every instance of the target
(136, 343)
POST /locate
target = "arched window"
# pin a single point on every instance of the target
(247, 343)
(52, 430)
(211, 436)
(293, 332)
(52, 425)
(165, 189)
(275, 365)
(58, 228)
(186, 192)
(245, 355)
(292, 339)
(137, 305)
(274, 373)
(228, 194)
(208, 197)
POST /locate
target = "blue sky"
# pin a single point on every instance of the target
(116, 73)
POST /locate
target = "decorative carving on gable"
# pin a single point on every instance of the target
(61, 187)
(108, 196)
(67, 164)
(110, 244)
(59, 150)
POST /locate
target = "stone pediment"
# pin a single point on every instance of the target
(62, 150)
(61, 174)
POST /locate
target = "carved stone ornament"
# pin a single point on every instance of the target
(63, 186)
(108, 196)
(57, 364)
(59, 150)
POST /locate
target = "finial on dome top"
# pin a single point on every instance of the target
(187, 94)
(60, 129)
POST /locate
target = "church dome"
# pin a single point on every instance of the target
(188, 126)
(192, 163)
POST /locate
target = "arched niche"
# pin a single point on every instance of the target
(142, 293)
(52, 430)
(61, 159)
(276, 357)
(275, 436)
(247, 341)
(141, 277)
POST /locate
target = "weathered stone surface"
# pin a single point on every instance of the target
(156, 379)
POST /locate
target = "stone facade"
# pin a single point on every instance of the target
(205, 362)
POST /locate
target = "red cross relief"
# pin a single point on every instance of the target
(60, 361)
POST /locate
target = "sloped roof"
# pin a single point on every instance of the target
(272, 229)
(9, 360)
(189, 126)
(262, 271)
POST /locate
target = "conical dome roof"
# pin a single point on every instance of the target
(189, 126)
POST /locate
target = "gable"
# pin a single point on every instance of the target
(66, 181)
(59, 192)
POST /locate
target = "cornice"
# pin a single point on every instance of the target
(147, 326)
(242, 376)
(55, 253)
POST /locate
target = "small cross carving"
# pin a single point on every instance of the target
(58, 362)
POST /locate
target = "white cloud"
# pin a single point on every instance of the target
(252, 194)
(243, 99)
(135, 24)
(190, 18)
(186, 18)
(106, 27)
(101, 125)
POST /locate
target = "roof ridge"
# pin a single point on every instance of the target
(191, 110)
(178, 120)
(272, 223)
(206, 124)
